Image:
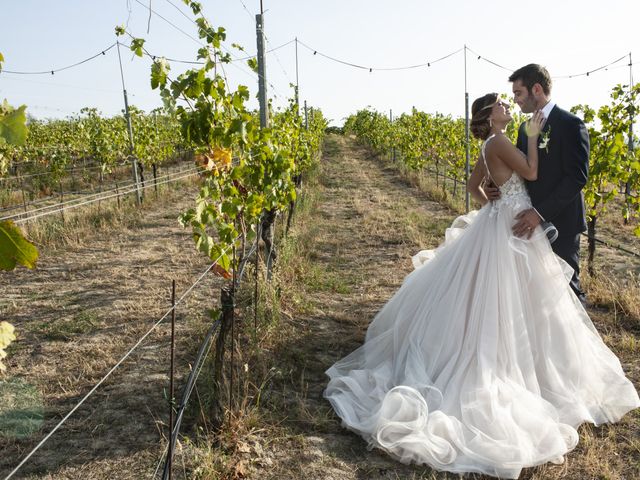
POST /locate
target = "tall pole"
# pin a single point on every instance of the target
(627, 188)
(262, 75)
(631, 145)
(297, 81)
(466, 132)
(268, 216)
(127, 115)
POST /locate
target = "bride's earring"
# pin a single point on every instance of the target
(490, 123)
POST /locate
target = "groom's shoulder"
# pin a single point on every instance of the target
(566, 116)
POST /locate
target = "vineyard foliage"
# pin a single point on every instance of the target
(614, 167)
(52, 147)
(246, 169)
(435, 141)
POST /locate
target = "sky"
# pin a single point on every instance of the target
(567, 36)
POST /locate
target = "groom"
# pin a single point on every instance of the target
(563, 152)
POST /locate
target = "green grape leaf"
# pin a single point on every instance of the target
(253, 64)
(14, 248)
(12, 124)
(159, 71)
(137, 46)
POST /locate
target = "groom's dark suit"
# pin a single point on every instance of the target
(563, 167)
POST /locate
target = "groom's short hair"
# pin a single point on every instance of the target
(531, 74)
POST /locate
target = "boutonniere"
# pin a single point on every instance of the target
(544, 140)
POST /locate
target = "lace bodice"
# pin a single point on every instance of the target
(513, 192)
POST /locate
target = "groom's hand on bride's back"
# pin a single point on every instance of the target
(491, 191)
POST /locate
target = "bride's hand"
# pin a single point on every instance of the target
(534, 124)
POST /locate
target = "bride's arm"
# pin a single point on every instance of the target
(525, 166)
(474, 184)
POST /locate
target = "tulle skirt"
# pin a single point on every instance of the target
(483, 361)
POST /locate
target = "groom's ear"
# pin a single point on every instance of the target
(537, 89)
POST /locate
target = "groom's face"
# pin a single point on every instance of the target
(523, 97)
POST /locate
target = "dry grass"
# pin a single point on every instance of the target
(101, 282)
(72, 227)
(618, 294)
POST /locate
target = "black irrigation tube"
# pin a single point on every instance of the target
(186, 394)
(616, 247)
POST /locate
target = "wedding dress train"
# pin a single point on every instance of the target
(484, 360)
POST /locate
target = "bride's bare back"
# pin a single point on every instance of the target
(502, 158)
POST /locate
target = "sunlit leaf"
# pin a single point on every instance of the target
(14, 248)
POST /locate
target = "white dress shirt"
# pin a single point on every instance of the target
(546, 111)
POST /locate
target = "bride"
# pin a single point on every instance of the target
(484, 360)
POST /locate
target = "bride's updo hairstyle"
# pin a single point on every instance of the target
(480, 112)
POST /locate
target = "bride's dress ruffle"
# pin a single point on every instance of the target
(484, 360)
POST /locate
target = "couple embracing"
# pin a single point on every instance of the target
(485, 359)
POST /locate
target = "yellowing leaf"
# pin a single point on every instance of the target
(221, 156)
(14, 248)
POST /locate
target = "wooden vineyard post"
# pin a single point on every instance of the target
(267, 230)
(466, 132)
(155, 178)
(268, 216)
(24, 198)
(591, 235)
(292, 205)
(262, 73)
(61, 201)
(227, 302)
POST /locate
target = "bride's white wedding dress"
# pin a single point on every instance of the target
(484, 360)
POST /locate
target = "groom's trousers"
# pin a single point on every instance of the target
(567, 247)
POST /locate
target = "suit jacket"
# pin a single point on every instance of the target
(563, 167)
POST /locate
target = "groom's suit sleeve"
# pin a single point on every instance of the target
(575, 168)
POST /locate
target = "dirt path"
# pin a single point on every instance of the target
(359, 239)
(366, 225)
(76, 315)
